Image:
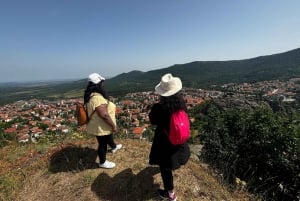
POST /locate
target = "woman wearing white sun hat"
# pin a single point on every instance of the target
(102, 125)
(168, 156)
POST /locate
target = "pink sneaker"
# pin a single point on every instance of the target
(166, 195)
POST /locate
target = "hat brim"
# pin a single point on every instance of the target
(163, 92)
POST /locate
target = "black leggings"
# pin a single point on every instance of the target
(103, 141)
(167, 177)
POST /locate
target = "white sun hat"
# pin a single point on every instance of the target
(95, 78)
(168, 85)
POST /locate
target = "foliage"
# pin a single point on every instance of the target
(149, 133)
(6, 139)
(43, 126)
(259, 146)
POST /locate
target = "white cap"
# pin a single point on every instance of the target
(95, 78)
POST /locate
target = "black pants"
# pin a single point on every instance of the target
(167, 177)
(103, 141)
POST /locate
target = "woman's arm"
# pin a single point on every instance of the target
(103, 113)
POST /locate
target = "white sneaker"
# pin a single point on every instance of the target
(107, 164)
(119, 146)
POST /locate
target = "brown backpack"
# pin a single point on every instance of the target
(81, 114)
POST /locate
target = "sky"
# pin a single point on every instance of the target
(69, 39)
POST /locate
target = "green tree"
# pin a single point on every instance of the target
(43, 126)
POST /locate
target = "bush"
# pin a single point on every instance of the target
(6, 138)
(258, 146)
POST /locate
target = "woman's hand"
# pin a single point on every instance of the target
(114, 130)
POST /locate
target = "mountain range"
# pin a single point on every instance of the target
(196, 74)
(204, 74)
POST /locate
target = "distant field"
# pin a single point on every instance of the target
(12, 93)
(69, 94)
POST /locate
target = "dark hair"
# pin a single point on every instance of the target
(173, 103)
(91, 88)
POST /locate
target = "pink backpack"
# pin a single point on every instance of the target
(179, 127)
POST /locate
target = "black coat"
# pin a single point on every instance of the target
(163, 153)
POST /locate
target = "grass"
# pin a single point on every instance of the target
(68, 171)
(9, 186)
(12, 175)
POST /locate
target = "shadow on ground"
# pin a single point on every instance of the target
(126, 186)
(73, 159)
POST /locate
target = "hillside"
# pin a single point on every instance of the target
(68, 172)
(196, 74)
(202, 74)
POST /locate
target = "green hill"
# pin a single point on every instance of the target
(197, 74)
(203, 74)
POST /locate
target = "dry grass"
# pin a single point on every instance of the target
(69, 172)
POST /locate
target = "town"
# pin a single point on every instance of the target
(31, 119)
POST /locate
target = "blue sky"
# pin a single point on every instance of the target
(69, 39)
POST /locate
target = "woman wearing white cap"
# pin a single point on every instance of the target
(102, 125)
(163, 153)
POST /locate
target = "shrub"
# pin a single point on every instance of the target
(258, 146)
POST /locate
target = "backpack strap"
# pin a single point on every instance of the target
(89, 117)
(92, 114)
